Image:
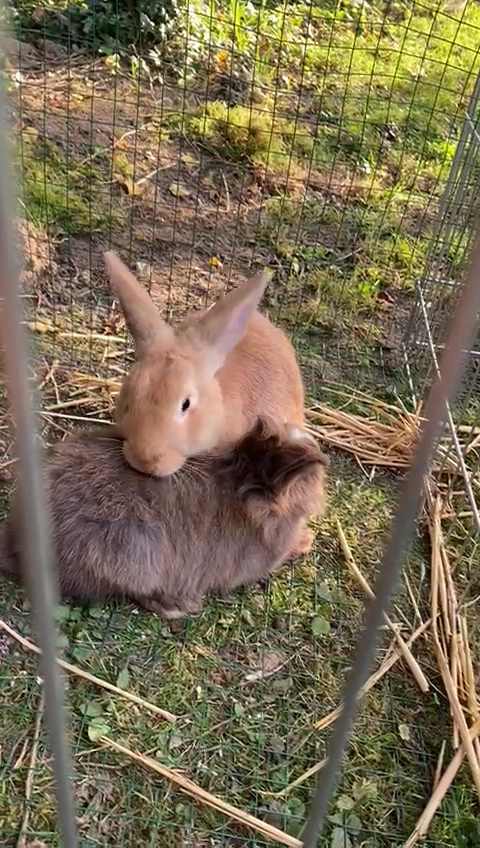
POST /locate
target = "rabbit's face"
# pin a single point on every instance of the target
(168, 409)
(170, 406)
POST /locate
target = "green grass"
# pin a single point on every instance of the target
(406, 74)
(251, 135)
(240, 739)
(367, 109)
(58, 193)
(342, 258)
(361, 109)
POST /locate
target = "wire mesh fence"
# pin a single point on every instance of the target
(202, 141)
(437, 291)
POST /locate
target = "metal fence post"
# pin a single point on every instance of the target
(443, 392)
(35, 548)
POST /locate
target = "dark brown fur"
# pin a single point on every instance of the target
(219, 523)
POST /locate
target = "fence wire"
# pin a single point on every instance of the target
(337, 144)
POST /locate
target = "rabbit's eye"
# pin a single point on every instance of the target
(185, 405)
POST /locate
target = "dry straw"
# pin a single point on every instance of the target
(97, 681)
(22, 837)
(388, 663)
(200, 794)
(450, 642)
(377, 434)
(383, 435)
(404, 649)
(440, 790)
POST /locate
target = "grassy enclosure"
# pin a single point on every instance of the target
(201, 140)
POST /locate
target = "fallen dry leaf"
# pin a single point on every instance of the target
(208, 181)
(41, 326)
(215, 262)
(144, 270)
(386, 297)
(189, 160)
(178, 190)
(128, 185)
(271, 663)
(29, 134)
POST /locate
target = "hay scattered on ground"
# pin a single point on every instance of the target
(377, 434)
(450, 643)
(383, 434)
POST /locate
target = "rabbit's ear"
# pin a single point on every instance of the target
(223, 325)
(141, 315)
(263, 465)
(289, 462)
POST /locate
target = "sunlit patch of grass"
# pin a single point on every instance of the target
(368, 240)
(251, 134)
(335, 261)
(383, 84)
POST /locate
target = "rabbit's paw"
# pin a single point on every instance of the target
(171, 610)
(303, 544)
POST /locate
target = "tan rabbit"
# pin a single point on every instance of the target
(225, 520)
(204, 383)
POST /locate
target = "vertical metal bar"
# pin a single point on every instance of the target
(442, 393)
(447, 212)
(35, 548)
(450, 422)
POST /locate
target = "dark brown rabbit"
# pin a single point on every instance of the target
(221, 522)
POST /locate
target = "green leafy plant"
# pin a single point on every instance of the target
(105, 26)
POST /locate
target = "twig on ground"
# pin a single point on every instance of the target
(97, 681)
(190, 788)
(8, 463)
(22, 836)
(407, 654)
(412, 597)
(438, 770)
(471, 693)
(329, 719)
(71, 404)
(153, 173)
(453, 696)
(117, 143)
(299, 780)
(19, 761)
(443, 785)
(48, 376)
(83, 418)
(227, 193)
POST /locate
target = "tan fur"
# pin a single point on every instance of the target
(230, 362)
(223, 521)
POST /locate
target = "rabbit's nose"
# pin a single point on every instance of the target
(139, 463)
(156, 465)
